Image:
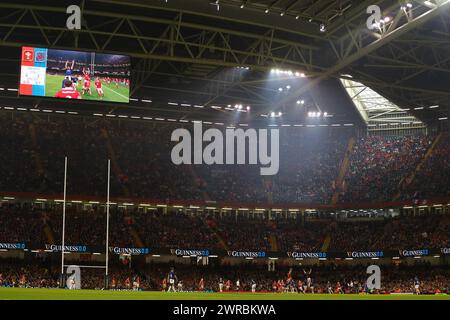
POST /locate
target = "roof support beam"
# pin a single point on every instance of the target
(366, 50)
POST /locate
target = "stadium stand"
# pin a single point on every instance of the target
(180, 230)
(380, 168)
(142, 169)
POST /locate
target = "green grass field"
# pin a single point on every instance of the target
(54, 83)
(59, 294)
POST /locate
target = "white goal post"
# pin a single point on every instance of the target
(62, 277)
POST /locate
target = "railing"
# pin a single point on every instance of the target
(197, 204)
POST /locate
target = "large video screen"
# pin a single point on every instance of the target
(71, 74)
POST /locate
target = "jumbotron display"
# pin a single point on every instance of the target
(75, 75)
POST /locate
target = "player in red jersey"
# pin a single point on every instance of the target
(127, 82)
(274, 286)
(201, 285)
(279, 286)
(22, 281)
(300, 287)
(228, 285)
(68, 91)
(339, 288)
(289, 277)
(99, 88)
(87, 81)
(117, 83)
(164, 284)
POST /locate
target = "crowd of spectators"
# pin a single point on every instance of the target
(158, 229)
(16, 155)
(295, 236)
(21, 225)
(240, 233)
(379, 163)
(399, 233)
(175, 230)
(432, 178)
(309, 165)
(32, 152)
(143, 153)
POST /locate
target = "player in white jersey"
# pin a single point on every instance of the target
(71, 282)
(220, 285)
(416, 285)
(351, 286)
(329, 288)
(309, 282)
(253, 286)
(238, 285)
(136, 284)
(180, 286)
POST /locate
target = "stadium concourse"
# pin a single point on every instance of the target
(350, 107)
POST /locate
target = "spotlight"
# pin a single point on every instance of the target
(387, 19)
(322, 28)
(280, 89)
(248, 108)
(242, 6)
(282, 14)
(288, 87)
(266, 11)
(297, 17)
(272, 114)
(325, 114)
(302, 75)
(280, 114)
(408, 5)
(300, 101)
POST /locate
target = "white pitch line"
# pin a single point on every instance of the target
(125, 97)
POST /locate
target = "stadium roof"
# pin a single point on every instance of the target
(209, 53)
(376, 110)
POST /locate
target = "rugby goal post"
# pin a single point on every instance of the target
(106, 266)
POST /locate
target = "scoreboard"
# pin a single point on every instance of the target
(33, 71)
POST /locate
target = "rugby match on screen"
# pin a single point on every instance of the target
(75, 75)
